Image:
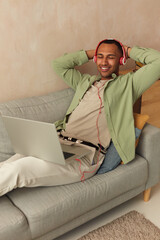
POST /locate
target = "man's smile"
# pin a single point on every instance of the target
(104, 69)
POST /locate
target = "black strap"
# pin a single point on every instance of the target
(83, 142)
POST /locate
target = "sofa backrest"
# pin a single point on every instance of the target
(47, 108)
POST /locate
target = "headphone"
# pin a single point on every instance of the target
(122, 60)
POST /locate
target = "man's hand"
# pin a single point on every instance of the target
(127, 51)
(90, 53)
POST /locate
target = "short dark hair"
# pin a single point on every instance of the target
(112, 41)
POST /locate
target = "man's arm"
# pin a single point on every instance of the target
(65, 67)
(147, 75)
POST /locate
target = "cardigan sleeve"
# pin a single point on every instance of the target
(65, 67)
(148, 74)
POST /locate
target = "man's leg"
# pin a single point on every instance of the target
(111, 160)
(32, 172)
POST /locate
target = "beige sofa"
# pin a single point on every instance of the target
(45, 213)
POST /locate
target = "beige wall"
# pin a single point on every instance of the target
(33, 32)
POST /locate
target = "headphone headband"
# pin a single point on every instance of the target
(122, 60)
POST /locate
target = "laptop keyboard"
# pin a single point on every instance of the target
(67, 154)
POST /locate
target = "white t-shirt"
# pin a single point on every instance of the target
(82, 123)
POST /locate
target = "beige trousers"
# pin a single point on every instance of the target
(19, 171)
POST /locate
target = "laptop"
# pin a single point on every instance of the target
(40, 139)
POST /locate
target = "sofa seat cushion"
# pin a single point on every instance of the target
(13, 224)
(47, 208)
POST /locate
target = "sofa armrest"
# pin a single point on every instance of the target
(149, 148)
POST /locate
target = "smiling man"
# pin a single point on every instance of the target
(102, 107)
(99, 116)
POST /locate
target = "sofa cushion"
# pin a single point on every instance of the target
(48, 108)
(13, 224)
(47, 208)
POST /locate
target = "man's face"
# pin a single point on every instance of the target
(108, 56)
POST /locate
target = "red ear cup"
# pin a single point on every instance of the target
(122, 60)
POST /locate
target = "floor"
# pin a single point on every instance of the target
(150, 209)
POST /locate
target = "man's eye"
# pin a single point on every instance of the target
(111, 57)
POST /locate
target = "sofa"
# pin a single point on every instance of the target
(44, 213)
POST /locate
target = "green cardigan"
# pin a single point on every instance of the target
(120, 93)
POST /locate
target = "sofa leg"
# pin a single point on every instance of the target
(146, 194)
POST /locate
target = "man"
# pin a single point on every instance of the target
(119, 93)
(84, 123)
(101, 112)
